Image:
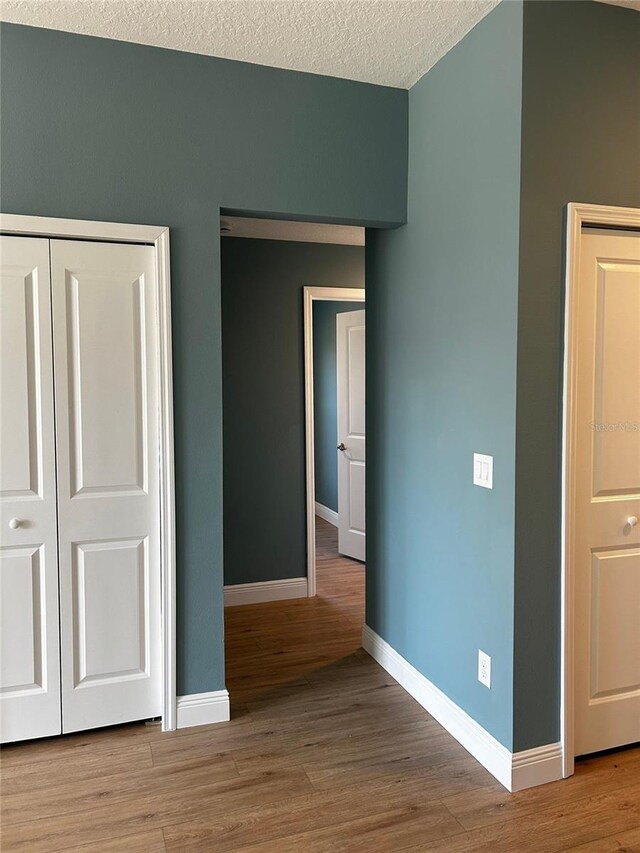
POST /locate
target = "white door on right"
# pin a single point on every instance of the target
(607, 497)
(350, 334)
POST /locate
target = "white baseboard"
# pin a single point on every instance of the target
(255, 593)
(329, 515)
(513, 770)
(536, 766)
(202, 709)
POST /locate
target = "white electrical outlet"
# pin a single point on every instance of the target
(484, 668)
(483, 470)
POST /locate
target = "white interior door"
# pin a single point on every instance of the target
(106, 373)
(350, 336)
(607, 477)
(29, 643)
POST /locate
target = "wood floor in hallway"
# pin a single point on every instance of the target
(324, 753)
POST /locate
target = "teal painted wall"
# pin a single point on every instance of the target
(325, 396)
(441, 378)
(99, 129)
(263, 398)
(581, 142)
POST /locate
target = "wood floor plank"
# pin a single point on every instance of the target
(386, 832)
(326, 808)
(134, 814)
(595, 776)
(330, 749)
(73, 795)
(142, 842)
(63, 747)
(553, 829)
(374, 711)
(621, 842)
(29, 778)
(358, 685)
(328, 775)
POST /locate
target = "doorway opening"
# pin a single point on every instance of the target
(334, 329)
(293, 603)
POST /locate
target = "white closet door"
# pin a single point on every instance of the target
(607, 493)
(29, 644)
(106, 367)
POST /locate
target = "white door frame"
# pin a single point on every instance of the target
(578, 215)
(311, 295)
(158, 237)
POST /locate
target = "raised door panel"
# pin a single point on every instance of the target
(106, 383)
(615, 624)
(616, 422)
(106, 368)
(356, 496)
(111, 577)
(20, 429)
(23, 621)
(356, 380)
(29, 643)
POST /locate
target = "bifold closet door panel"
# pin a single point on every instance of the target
(106, 375)
(29, 643)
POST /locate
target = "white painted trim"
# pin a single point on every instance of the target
(158, 236)
(537, 766)
(578, 215)
(167, 482)
(256, 593)
(294, 231)
(514, 771)
(329, 515)
(311, 294)
(78, 229)
(203, 709)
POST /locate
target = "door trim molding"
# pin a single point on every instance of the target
(158, 237)
(311, 295)
(577, 216)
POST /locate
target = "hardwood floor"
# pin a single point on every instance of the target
(324, 753)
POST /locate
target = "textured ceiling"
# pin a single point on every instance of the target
(390, 42)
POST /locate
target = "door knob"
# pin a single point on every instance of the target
(341, 446)
(15, 523)
(632, 520)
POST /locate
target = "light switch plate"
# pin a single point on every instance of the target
(483, 470)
